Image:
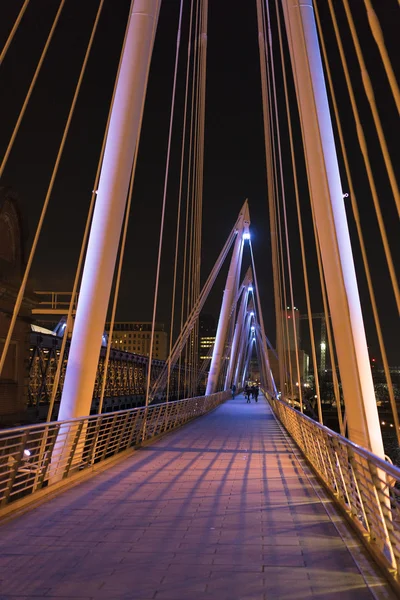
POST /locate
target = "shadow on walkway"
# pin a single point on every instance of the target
(222, 509)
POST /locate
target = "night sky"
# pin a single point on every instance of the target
(234, 147)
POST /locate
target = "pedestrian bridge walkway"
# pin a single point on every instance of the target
(224, 508)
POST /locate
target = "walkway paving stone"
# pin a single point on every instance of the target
(223, 509)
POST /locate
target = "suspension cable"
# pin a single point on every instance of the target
(13, 30)
(178, 218)
(364, 151)
(185, 301)
(270, 190)
(288, 255)
(82, 251)
(123, 242)
(281, 257)
(187, 327)
(118, 277)
(369, 92)
(299, 218)
(164, 200)
(30, 90)
(21, 291)
(380, 42)
(356, 214)
(258, 307)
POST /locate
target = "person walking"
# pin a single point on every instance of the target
(233, 388)
(247, 393)
(256, 391)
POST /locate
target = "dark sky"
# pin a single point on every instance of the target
(234, 147)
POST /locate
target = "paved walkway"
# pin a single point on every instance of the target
(220, 510)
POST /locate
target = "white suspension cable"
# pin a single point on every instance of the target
(380, 42)
(21, 291)
(30, 90)
(188, 326)
(82, 251)
(283, 192)
(178, 219)
(164, 201)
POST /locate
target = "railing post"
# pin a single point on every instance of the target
(48, 453)
(72, 449)
(16, 465)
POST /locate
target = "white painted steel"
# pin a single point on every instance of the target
(121, 144)
(331, 222)
(366, 487)
(39, 455)
(238, 330)
(229, 295)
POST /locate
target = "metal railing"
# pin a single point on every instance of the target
(42, 455)
(365, 486)
(126, 375)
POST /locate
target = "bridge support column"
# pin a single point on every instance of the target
(244, 334)
(249, 352)
(122, 141)
(331, 223)
(236, 338)
(227, 300)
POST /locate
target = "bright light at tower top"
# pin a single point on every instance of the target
(246, 233)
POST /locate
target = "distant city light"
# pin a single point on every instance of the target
(252, 314)
(323, 346)
(246, 236)
(252, 328)
(27, 452)
(250, 288)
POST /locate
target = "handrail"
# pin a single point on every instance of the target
(38, 456)
(365, 486)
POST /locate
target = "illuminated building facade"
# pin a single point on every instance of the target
(207, 331)
(135, 337)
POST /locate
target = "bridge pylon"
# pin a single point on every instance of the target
(121, 144)
(230, 293)
(331, 223)
(244, 292)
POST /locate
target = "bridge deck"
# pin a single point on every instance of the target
(224, 509)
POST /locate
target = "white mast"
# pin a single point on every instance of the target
(230, 292)
(333, 234)
(122, 141)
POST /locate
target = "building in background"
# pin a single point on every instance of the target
(207, 332)
(304, 361)
(135, 337)
(13, 380)
(293, 351)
